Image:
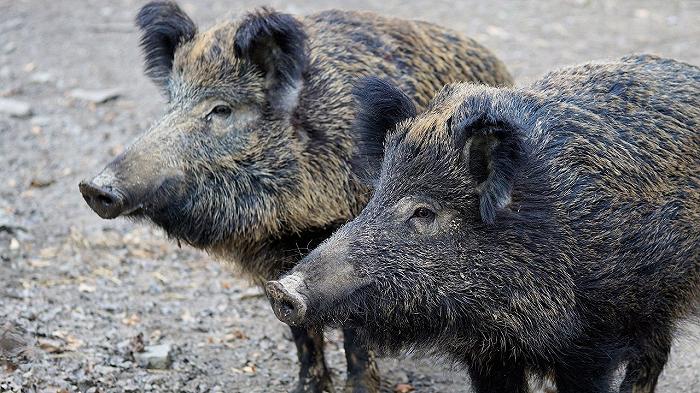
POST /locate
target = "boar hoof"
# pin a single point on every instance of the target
(369, 383)
(309, 385)
(360, 388)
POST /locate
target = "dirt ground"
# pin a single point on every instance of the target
(88, 293)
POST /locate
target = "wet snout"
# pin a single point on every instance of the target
(288, 303)
(103, 197)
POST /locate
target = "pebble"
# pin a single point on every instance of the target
(95, 96)
(9, 47)
(15, 108)
(41, 77)
(155, 356)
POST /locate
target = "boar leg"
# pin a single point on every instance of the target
(643, 371)
(314, 376)
(363, 374)
(585, 376)
(498, 376)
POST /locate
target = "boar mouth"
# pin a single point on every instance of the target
(110, 200)
(137, 210)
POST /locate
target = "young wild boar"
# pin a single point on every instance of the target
(251, 159)
(546, 231)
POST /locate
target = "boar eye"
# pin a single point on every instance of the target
(221, 110)
(423, 213)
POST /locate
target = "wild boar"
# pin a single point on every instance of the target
(547, 231)
(251, 160)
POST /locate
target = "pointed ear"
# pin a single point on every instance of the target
(380, 107)
(493, 151)
(276, 44)
(163, 27)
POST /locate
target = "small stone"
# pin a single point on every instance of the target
(41, 121)
(95, 96)
(155, 356)
(41, 182)
(41, 77)
(29, 67)
(9, 47)
(15, 108)
(86, 288)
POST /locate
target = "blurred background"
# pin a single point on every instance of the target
(80, 297)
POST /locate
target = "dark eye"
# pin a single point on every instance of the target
(221, 110)
(423, 213)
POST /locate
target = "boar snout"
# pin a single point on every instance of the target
(104, 201)
(288, 304)
(135, 181)
(103, 198)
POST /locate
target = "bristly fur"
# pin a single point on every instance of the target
(163, 26)
(380, 107)
(252, 159)
(592, 264)
(277, 44)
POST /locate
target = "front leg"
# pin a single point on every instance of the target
(498, 376)
(644, 369)
(363, 373)
(589, 374)
(314, 376)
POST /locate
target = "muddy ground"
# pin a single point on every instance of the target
(88, 293)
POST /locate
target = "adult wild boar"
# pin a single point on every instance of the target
(251, 159)
(550, 230)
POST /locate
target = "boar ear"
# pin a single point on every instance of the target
(380, 107)
(276, 44)
(493, 151)
(163, 27)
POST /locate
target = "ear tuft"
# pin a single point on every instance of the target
(276, 44)
(380, 107)
(163, 27)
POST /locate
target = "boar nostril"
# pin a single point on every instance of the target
(288, 305)
(105, 200)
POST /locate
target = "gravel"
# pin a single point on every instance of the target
(83, 300)
(155, 356)
(15, 108)
(95, 96)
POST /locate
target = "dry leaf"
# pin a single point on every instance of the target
(186, 316)
(48, 252)
(141, 253)
(249, 368)
(41, 182)
(72, 343)
(38, 263)
(137, 344)
(160, 277)
(50, 345)
(132, 320)
(235, 335)
(155, 335)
